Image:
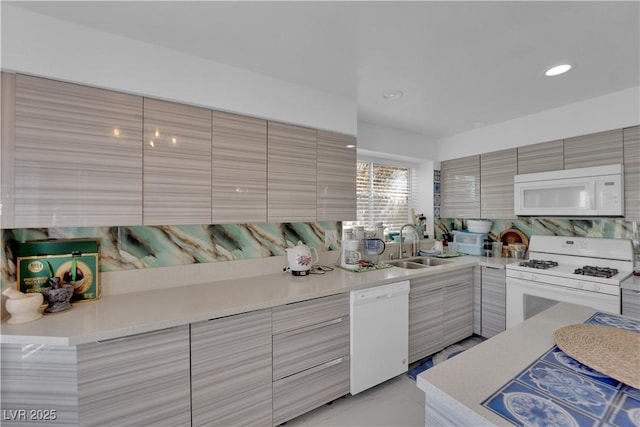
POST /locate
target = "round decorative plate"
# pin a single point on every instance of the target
(612, 351)
(512, 235)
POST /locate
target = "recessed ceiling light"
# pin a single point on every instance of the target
(557, 70)
(392, 94)
(350, 146)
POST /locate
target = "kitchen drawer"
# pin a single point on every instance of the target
(302, 392)
(304, 348)
(310, 312)
(441, 280)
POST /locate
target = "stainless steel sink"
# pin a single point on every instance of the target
(407, 264)
(429, 261)
(418, 262)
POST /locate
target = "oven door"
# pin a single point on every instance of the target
(526, 298)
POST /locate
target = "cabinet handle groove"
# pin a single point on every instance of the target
(311, 328)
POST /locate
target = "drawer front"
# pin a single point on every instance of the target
(310, 312)
(300, 393)
(304, 348)
(441, 280)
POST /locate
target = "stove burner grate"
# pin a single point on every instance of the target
(588, 270)
(534, 263)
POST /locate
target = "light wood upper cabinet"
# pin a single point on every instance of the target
(7, 147)
(596, 149)
(497, 170)
(336, 185)
(632, 173)
(239, 185)
(543, 157)
(78, 155)
(177, 163)
(291, 173)
(460, 180)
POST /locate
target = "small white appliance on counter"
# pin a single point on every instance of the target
(579, 270)
(301, 258)
(593, 191)
(379, 334)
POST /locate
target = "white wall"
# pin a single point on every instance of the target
(48, 47)
(395, 145)
(612, 111)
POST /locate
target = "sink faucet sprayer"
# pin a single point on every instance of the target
(413, 243)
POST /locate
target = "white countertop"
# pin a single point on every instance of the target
(632, 283)
(460, 385)
(115, 316)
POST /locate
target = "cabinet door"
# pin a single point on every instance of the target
(460, 180)
(458, 312)
(291, 176)
(596, 149)
(7, 147)
(177, 164)
(543, 157)
(477, 300)
(239, 169)
(493, 301)
(497, 170)
(78, 155)
(631, 303)
(632, 173)
(39, 377)
(137, 380)
(425, 321)
(231, 370)
(336, 186)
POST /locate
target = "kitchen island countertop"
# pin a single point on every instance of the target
(455, 390)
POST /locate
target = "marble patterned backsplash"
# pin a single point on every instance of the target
(603, 228)
(140, 247)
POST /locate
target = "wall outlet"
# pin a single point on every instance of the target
(330, 237)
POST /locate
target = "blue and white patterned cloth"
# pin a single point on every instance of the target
(556, 390)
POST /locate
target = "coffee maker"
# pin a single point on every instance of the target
(350, 257)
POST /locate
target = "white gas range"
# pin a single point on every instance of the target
(579, 270)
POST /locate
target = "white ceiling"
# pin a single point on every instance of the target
(456, 62)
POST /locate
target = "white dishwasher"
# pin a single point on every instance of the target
(379, 334)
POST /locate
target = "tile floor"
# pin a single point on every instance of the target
(397, 402)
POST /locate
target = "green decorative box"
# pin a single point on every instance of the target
(74, 261)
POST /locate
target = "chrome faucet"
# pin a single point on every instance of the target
(413, 243)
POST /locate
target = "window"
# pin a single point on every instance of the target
(384, 194)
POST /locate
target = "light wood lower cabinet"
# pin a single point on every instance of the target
(631, 303)
(310, 355)
(137, 380)
(493, 301)
(477, 300)
(458, 311)
(231, 370)
(440, 311)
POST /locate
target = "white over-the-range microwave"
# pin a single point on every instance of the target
(592, 191)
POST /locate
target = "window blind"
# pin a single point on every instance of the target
(384, 194)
